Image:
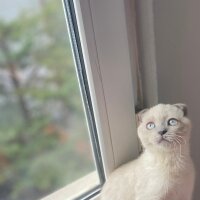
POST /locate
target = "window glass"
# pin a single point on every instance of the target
(44, 140)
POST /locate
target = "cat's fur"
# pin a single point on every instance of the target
(164, 171)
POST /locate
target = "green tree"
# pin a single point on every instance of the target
(37, 111)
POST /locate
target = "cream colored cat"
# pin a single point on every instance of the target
(164, 171)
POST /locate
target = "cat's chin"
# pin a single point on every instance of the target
(164, 144)
(162, 140)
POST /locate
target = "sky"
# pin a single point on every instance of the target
(9, 9)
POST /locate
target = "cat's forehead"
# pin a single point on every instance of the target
(162, 111)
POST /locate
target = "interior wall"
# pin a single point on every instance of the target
(177, 46)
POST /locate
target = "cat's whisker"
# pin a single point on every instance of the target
(168, 136)
(171, 133)
(182, 138)
(180, 149)
(178, 139)
(174, 144)
(172, 140)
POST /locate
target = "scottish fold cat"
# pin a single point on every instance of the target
(164, 171)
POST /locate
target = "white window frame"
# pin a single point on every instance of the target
(107, 30)
(111, 65)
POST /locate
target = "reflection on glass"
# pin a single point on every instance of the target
(44, 143)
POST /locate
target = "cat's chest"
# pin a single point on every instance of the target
(156, 177)
(155, 183)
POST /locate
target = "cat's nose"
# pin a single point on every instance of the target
(163, 132)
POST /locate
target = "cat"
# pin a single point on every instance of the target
(164, 171)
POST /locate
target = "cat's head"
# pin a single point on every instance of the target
(164, 126)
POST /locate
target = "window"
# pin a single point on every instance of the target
(44, 140)
(61, 157)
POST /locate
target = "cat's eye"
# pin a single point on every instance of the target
(150, 125)
(172, 122)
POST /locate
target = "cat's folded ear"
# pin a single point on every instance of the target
(139, 116)
(183, 107)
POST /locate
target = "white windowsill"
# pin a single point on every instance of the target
(76, 188)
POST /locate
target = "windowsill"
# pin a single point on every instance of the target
(76, 188)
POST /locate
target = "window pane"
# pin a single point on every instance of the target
(44, 140)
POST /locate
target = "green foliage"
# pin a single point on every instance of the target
(38, 152)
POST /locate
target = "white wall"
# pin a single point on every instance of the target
(177, 42)
(177, 54)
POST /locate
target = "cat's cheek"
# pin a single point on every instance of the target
(186, 123)
(143, 138)
(148, 142)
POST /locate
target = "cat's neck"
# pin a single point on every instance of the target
(174, 159)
